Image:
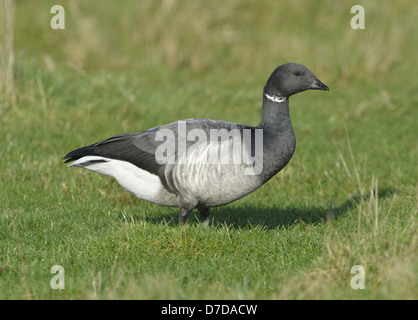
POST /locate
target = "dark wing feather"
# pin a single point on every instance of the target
(139, 148)
(135, 148)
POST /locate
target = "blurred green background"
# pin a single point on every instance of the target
(349, 195)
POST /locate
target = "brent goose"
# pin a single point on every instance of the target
(202, 163)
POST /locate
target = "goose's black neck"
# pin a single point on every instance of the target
(275, 113)
(278, 136)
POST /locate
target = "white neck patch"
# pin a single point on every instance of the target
(277, 99)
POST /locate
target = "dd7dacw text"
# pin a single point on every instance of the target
(210, 309)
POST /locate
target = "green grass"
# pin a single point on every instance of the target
(348, 197)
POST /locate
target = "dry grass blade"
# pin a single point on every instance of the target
(7, 56)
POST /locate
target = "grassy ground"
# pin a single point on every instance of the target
(348, 196)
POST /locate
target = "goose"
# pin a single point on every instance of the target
(203, 163)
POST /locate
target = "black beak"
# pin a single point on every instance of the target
(318, 85)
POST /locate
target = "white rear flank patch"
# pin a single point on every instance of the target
(140, 182)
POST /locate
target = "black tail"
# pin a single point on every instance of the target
(79, 153)
(126, 147)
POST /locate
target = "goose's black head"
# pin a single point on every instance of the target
(291, 78)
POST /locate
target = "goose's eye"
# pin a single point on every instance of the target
(297, 73)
